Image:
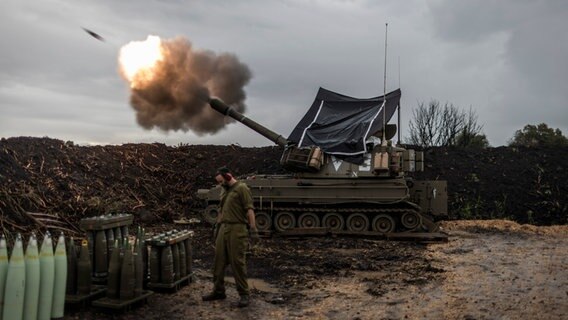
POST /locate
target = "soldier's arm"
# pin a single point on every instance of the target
(249, 206)
(219, 216)
(251, 219)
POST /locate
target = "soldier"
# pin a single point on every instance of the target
(234, 223)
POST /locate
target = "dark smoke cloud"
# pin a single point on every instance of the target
(177, 97)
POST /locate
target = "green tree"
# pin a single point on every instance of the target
(472, 140)
(538, 135)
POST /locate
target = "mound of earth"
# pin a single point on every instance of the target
(158, 183)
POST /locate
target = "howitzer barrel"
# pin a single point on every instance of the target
(224, 109)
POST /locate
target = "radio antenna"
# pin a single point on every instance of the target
(399, 103)
(385, 88)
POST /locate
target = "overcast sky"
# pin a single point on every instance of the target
(507, 59)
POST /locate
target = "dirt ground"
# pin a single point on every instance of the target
(493, 269)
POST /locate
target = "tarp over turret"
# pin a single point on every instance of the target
(340, 124)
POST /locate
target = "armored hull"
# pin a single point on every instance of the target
(285, 203)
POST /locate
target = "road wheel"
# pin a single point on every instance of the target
(263, 221)
(284, 221)
(210, 213)
(383, 223)
(411, 220)
(308, 220)
(334, 221)
(357, 222)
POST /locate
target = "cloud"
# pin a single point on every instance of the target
(503, 58)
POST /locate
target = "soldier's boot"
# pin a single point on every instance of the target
(243, 301)
(214, 296)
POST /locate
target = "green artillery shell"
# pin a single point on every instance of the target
(110, 242)
(15, 283)
(175, 255)
(118, 235)
(124, 231)
(167, 265)
(101, 258)
(31, 297)
(91, 244)
(144, 256)
(71, 268)
(182, 259)
(84, 270)
(60, 257)
(155, 265)
(3, 270)
(113, 283)
(127, 277)
(138, 265)
(188, 256)
(47, 277)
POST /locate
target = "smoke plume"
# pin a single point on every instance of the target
(173, 93)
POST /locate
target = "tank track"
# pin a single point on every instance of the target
(403, 217)
(408, 220)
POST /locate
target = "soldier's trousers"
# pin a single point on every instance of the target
(230, 248)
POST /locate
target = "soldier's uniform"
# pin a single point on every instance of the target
(232, 239)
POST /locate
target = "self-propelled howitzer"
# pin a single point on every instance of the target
(368, 192)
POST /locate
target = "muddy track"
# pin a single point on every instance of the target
(488, 270)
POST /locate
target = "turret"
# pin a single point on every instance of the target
(383, 160)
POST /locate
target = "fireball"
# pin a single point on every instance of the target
(138, 60)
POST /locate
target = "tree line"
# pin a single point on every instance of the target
(434, 124)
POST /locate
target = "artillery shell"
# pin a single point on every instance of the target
(127, 277)
(3, 270)
(110, 242)
(31, 297)
(113, 283)
(91, 244)
(175, 255)
(71, 268)
(167, 265)
(124, 231)
(47, 277)
(84, 270)
(182, 259)
(155, 264)
(144, 256)
(60, 257)
(189, 255)
(15, 283)
(101, 258)
(138, 265)
(118, 235)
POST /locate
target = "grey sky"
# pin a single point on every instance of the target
(506, 59)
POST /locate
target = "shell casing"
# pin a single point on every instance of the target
(101, 258)
(167, 265)
(113, 281)
(175, 256)
(71, 268)
(84, 270)
(127, 276)
(110, 242)
(155, 265)
(182, 259)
